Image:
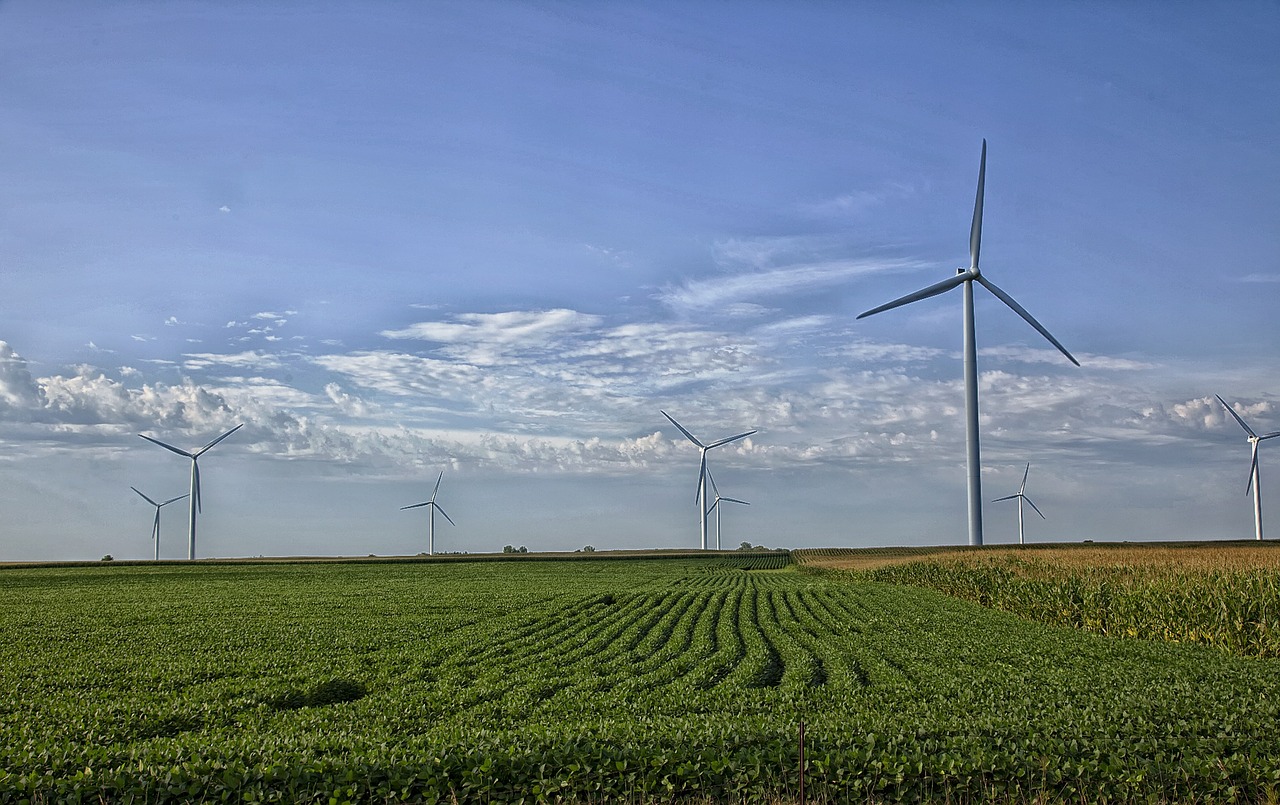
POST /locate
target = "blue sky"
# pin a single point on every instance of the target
(495, 239)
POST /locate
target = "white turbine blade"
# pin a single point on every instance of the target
(1032, 505)
(437, 489)
(155, 525)
(686, 433)
(702, 473)
(731, 439)
(1025, 473)
(195, 470)
(713, 505)
(166, 446)
(446, 516)
(416, 506)
(1006, 497)
(1253, 469)
(220, 438)
(1237, 418)
(715, 489)
(735, 500)
(1017, 308)
(144, 497)
(172, 500)
(1269, 436)
(975, 231)
(924, 293)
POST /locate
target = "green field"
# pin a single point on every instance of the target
(596, 680)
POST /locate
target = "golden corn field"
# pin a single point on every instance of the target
(1221, 594)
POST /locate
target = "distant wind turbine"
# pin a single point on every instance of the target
(431, 517)
(966, 277)
(703, 512)
(1255, 478)
(1020, 497)
(155, 527)
(194, 505)
(716, 507)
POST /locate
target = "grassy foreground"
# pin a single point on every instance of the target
(594, 681)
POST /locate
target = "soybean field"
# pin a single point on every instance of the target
(681, 679)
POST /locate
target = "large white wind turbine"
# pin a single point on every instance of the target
(716, 507)
(194, 505)
(1255, 479)
(155, 527)
(966, 278)
(431, 516)
(703, 512)
(1020, 497)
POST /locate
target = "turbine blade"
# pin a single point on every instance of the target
(686, 433)
(975, 231)
(1006, 497)
(1025, 473)
(1032, 505)
(713, 505)
(220, 438)
(1253, 469)
(1233, 413)
(195, 470)
(731, 439)
(155, 525)
(166, 446)
(735, 500)
(173, 500)
(712, 479)
(446, 516)
(437, 489)
(702, 473)
(416, 506)
(1269, 436)
(144, 497)
(924, 293)
(1017, 308)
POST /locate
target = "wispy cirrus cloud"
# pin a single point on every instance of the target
(727, 289)
(1260, 278)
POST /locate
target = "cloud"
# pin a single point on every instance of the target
(347, 404)
(252, 359)
(1022, 354)
(523, 327)
(721, 291)
(224, 208)
(856, 202)
(1259, 278)
(172, 321)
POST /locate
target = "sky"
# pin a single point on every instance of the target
(495, 240)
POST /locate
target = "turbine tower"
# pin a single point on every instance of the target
(1021, 496)
(155, 527)
(716, 507)
(966, 277)
(194, 505)
(431, 517)
(1255, 478)
(703, 512)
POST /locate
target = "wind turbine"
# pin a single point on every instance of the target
(195, 481)
(1255, 479)
(431, 518)
(966, 277)
(1021, 496)
(155, 527)
(716, 507)
(703, 512)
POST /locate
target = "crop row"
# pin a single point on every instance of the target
(585, 681)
